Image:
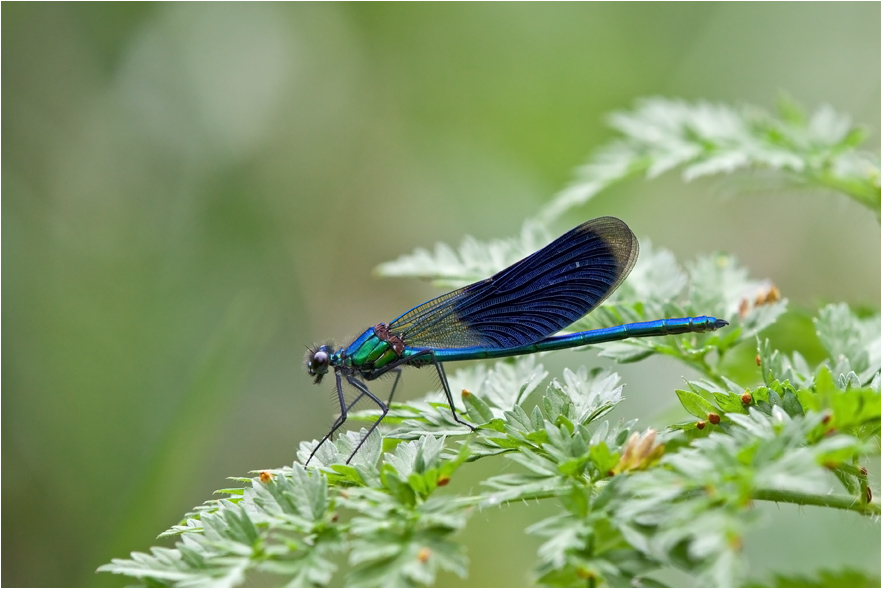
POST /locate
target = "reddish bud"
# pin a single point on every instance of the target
(713, 418)
(759, 362)
(442, 481)
(746, 399)
(424, 554)
(265, 476)
(743, 308)
(769, 296)
(700, 424)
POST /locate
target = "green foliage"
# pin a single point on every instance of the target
(632, 501)
(817, 150)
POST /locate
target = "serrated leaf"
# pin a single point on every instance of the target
(478, 411)
(602, 458)
(729, 402)
(695, 404)
(791, 404)
(593, 394)
(846, 337)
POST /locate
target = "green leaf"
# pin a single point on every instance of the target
(729, 402)
(695, 404)
(856, 342)
(791, 404)
(478, 411)
(592, 393)
(603, 459)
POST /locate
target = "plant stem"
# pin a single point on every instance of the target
(846, 502)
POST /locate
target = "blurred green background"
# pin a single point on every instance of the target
(194, 192)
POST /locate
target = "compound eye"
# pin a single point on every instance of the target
(318, 363)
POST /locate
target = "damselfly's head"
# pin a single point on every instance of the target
(318, 361)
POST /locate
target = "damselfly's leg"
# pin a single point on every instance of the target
(443, 376)
(383, 407)
(397, 372)
(344, 409)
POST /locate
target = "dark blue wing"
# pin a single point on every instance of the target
(531, 299)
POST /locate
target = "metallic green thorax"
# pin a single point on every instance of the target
(374, 349)
(373, 353)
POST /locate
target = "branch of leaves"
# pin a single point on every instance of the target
(558, 445)
(286, 523)
(558, 441)
(691, 508)
(400, 533)
(706, 139)
(692, 512)
(583, 468)
(411, 471)
(846, 384)
(847, 419)
(283, 524)
(557, 426)
(584, 546)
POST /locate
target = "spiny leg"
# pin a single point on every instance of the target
(383, 407)
(397, 372)
(344, 409)
(443, 376)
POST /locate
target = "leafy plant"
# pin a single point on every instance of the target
(631, 501)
